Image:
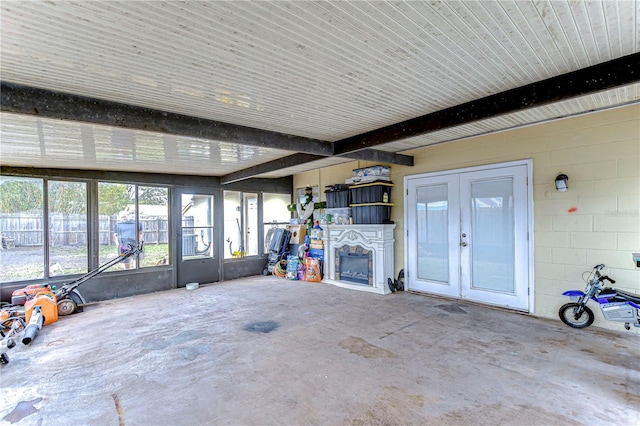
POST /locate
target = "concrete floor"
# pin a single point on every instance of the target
(265, 351)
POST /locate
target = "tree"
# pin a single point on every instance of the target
(21, 196)
(112, 198)
(153, 195)
(67, 197)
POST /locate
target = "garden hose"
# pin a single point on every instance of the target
(280, 269)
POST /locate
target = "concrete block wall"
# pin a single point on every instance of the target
(597, 220)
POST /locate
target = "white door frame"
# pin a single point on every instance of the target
(529, 166)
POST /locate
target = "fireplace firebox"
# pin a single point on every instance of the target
(354, 265)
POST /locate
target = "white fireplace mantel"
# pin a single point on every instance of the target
(376, 238)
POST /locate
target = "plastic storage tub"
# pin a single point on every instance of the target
(340, 216)
(377, 213)
(371, 193)
(372, 171)
(337, 199)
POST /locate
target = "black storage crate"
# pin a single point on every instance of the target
(373, 214)
(370, 193)
(337, 199)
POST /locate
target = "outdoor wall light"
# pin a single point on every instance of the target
(561, 182)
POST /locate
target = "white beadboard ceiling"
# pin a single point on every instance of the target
(322, 70)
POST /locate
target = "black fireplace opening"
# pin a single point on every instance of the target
(354, 267)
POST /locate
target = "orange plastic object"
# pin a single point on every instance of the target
(48, 304)
(20, 296)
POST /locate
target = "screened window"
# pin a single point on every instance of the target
(22, 228)
(275, 214)
(68, 242)
(43, 227)
(153, 208)
(130, 215)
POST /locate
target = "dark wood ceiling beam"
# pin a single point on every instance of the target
(380, 157)
(20, 99)
(44, 103)
(297, 159)
(270, 166)
(604, 76)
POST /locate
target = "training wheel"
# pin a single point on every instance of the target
(66, 307)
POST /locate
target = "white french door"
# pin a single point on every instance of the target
(467, 234)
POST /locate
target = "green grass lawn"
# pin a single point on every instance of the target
(25, 263)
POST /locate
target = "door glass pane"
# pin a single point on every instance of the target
(492, 235)
(21, 228)
(67, 228)
(197, 226)
(233, 235)
(433, 227)
(251, 224)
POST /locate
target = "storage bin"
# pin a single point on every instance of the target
(372, 171)
(293, 249)
(339, 216)
(337, 199)
(371, 193)
(374, 214)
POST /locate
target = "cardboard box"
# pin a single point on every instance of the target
(298, 232)
(316, 244)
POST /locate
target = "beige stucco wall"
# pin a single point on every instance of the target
(596, 221)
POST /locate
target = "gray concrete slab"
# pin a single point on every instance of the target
(265, 351)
